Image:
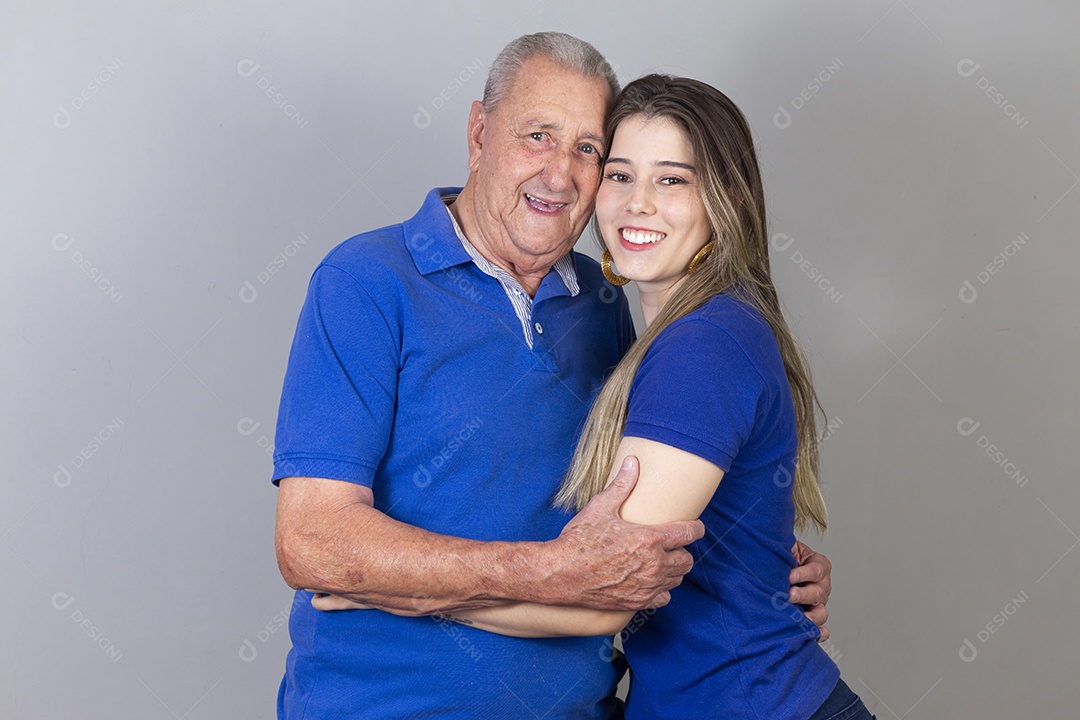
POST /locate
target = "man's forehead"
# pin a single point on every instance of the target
(558, 111)
(549, 96)
(545, 77)
(542, 121)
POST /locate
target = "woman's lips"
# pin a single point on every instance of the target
(637, 239)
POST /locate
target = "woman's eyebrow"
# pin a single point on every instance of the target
(672, 163)
(661, 163)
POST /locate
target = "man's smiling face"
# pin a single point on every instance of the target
(536, 160)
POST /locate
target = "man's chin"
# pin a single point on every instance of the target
(542, 241)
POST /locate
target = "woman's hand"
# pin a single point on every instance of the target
(326, 601)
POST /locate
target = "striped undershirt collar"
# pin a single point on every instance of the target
(520, 299)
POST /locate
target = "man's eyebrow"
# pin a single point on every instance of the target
(532, 124)
(549, 125)
(661, 163)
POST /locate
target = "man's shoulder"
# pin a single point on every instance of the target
(395, 250)
(590, 275)
(585, 265)
(370, 252)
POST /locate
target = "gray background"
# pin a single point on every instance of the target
(161, 215)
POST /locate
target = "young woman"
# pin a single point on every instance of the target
(715, 401)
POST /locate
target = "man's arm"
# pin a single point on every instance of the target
(677, 486)
(330, 538)
(531, 620)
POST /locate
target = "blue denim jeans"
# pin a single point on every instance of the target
(842, 704)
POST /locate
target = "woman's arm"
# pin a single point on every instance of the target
(672, 485)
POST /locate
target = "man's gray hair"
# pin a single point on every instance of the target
(564, 49)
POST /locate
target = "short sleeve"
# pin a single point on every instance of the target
(697, 390)
(337, 402)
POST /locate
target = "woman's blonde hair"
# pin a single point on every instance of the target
(731, 190)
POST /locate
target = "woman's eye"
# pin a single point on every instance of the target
(671, 180)
(617, 176)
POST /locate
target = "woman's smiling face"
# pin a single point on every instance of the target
(649, 206)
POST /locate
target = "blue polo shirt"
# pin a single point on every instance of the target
(729, 645)
(409, 374)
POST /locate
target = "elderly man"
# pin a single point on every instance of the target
(440, 372)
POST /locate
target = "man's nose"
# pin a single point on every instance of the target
(558, 170)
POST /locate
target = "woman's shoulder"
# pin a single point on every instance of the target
(707, 377)
(726, 311)
(723, 317)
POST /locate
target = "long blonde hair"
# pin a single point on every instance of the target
(731, 190)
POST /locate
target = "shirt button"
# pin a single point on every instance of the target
(539, 328)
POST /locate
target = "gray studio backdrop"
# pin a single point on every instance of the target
(172, 172)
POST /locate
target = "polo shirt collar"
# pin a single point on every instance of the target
(549, 287)
(435, 243)
(430, 236)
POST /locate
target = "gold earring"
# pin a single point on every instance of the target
(605, 267)
(699, 257)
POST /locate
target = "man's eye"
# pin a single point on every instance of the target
(588, 149)
(538, 136)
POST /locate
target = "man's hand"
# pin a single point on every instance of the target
(603, 562)
(811, 585)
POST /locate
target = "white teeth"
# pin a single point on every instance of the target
(642, 238)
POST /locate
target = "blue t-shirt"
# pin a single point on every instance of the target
(729, 645)
(409, 373)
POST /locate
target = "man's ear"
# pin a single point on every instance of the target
(477, 121)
